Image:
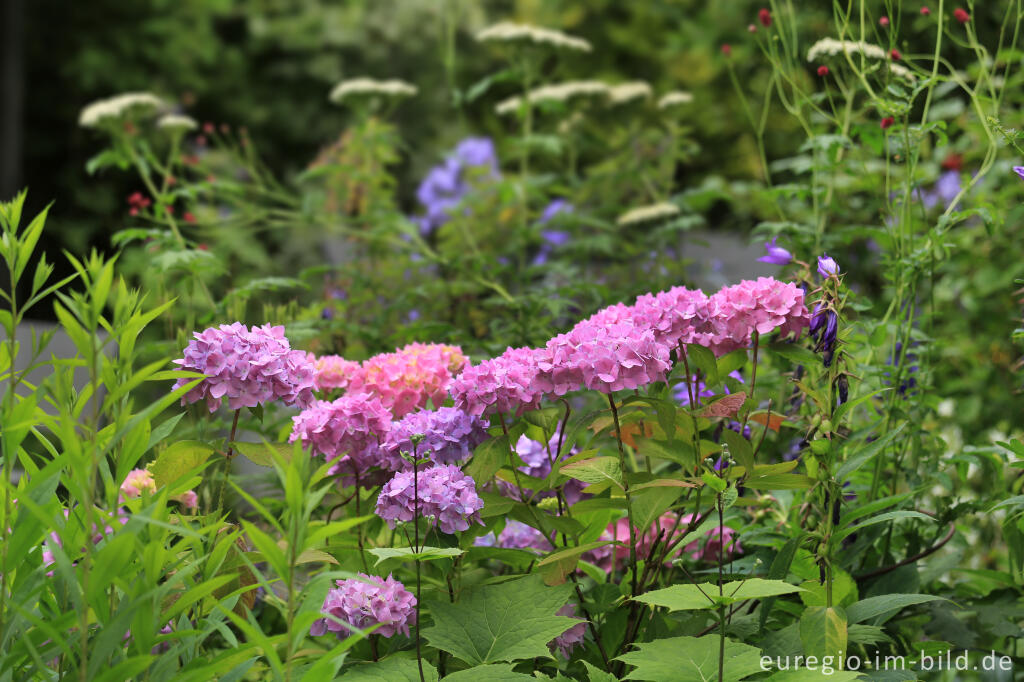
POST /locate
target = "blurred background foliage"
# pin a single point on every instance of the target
(267, 66)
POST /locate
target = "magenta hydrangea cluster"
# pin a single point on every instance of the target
(448, 436)
(624, 347)
(349, 428)
(406, 379)
(762, 305)
(571, 638)
(507, 383)
(366, 601)
(248, 367)
(445, 494)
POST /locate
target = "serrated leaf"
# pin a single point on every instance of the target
(179, 460)
(691, 659)
(688, 597)
(391, 669)
(595, 470)
(409, 554)
(495, 672)
(500, 623)
(262, 453)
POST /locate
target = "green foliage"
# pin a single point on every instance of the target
(691, 659)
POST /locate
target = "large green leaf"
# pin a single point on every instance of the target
(691, 659)
(815, 675)
(499, 623)
(487, 459)
(872, 607)
(391, 669)
(491, 673)
(409, 554)
(595, 470)
(178, 461)
(823, 632)
(689, 597)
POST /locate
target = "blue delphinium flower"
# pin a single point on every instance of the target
(776, 254)
(447, 184)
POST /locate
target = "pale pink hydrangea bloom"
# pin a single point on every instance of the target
(136, 482)
(508, 383)
(248, 367)
(406, 379)
(762, 305)
(333, 371)
(619, 531)
(364, 602)
(189, 500)
(676, 316)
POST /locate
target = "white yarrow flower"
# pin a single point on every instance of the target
(176, 122)
(830, 47)
(117, 107)
(903, 72)
(674, 99)
(362, 87)
(645, 214)
(557, 92)
(627, 92)
(507, 31)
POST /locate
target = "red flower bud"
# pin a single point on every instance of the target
(895, 54)
(208, 128)
(726, 49)
(765, 17)
(883, 22)
(822, 70)
(953, 162)
(133, 211)
(886, 122)
(189, 218)
(925, 11)
(961, 15)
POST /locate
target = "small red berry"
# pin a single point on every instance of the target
(925, 11)
(886, 122)
(726, 49)
(822, 70)
(135, 197)
(144, 202)
(895, 54)
(961, 15)
(169, 210)
(765, 17)
(189, 218)
(883, 22)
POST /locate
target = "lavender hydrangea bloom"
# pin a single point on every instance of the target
(446, 185)
(446, 495)
(248, 367)
(571, 638)
(516, 535)
(776, 254)
(349, 428)
(364, 602)
(449, 435)
(536, 463)
(827, 266)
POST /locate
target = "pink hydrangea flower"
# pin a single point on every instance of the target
(448, 435)
(762, 305)
(347, 429)
(571, 638)
(446, 496)
(676, 316)
(406, 379)
(364, 602)
(333, 371)
(136, 482)
(670, 532)
(604, 357)
(507, 383)
(516, 535)
(189, 500)
(248, 367)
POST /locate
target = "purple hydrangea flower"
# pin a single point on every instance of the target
(449, 435)
(571, 638)
(446, 495)
(516, 535)
(507, 383)
(536, 463)
(827, 266)
(776, 254)
(364, 602)
(446, 185)
(248, 367)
